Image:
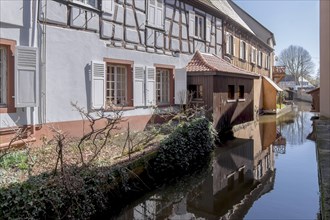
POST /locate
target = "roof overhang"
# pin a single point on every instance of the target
(271, 82)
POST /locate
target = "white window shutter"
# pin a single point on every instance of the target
(138, 86)
(26, 77)
(227, 43)
(246, 51)
(152, 12)
(234, 46)
(151, 86)
(180, 86)
(98, 85)
(191, 23)
(159, 13)
(241, 49)
(108, 6)
(208, 29)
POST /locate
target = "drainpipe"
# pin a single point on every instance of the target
(42, 71)
(34, 43)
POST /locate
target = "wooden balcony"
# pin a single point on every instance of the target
(278, 73)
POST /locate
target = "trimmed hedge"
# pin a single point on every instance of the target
(187, 147)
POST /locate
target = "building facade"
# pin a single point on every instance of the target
(122, 53)
(324, 59)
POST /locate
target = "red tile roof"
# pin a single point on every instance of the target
(202, 62)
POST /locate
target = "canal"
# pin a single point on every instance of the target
(268, 171)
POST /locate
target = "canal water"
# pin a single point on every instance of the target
(268, 171)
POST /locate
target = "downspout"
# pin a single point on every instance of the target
(34, 43)
(42, 112)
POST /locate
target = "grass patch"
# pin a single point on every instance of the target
(280, 106)
(15, 160)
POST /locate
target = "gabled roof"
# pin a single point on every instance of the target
(314, 90)
(203, 62)
(225, 8)
(271, 82)
(288, 78)
(258, 29)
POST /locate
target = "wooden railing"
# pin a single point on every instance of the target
(278, 69)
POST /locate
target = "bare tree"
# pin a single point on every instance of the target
(297, 61)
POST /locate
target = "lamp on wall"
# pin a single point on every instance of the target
(176, 53)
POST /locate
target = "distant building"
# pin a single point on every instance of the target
(315, 93)
(288, 82)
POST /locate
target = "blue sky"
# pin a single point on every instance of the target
(293, 22)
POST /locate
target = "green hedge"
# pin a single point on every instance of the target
(188, 145)
(87, 193)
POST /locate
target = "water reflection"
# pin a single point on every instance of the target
(242, 171)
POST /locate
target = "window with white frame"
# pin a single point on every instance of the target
(253, 55)
(3, 73)
(116, 85)
(242, 51)
(163, 86)
(199, 27)
(92, 3)
(229, 44)
(266, 62)
(155, 13)
(260, 58)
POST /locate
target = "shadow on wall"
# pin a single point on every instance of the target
(88, 71)
(232, 117)
(24, 31)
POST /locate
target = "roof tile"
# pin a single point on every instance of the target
(202, 62)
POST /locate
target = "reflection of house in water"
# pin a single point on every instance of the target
(243, 170)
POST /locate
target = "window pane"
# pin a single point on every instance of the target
(117, 85)
(162, 86)
(231, 92)
(241, 92)
(200, 27)
(196, 26)
(159, 3)
(3, 83)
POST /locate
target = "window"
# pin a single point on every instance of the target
(92, 3)
(3, 73)
(229, 44)
(7, 61)
(241, 92)
(197, 91)
(242, 51)
(230, 181)
(266, 62)
(199, 26)
(116, 85)
(231, 92)
(260, 58)
(253, 55)
(259, 170)
(163, 86)
(241, 175)
(155, 13)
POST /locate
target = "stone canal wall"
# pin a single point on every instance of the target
(323, 157)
